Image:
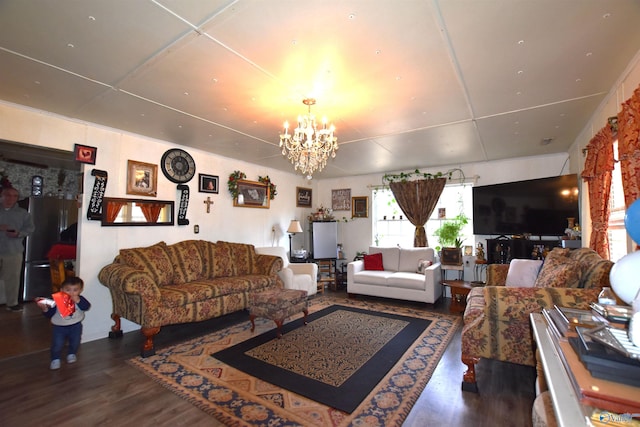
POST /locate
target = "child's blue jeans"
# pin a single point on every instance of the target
(73, 333)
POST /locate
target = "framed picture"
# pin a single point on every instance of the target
(360, 207)
(303, 197)
(341, 200)
(142, 178)
(208, 183)
(252, 194)
(85, 154)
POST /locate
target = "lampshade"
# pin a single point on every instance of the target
(294, 227)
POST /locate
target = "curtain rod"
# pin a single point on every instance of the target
(469, 180)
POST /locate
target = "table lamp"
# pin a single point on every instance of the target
(294, 228)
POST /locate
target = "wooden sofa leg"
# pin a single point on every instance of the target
(469, 378)
(116, 330)
(147, 347)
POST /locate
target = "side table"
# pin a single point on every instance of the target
(479, 268)
(446, 267)
(459, 291)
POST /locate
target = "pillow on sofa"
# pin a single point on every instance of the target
(523, 273)
(373, 262)
(187, 261)
(423, 264)
(154, 260)
(559, 272)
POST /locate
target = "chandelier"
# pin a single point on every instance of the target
(309, 147)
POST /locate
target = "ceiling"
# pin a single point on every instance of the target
(407, 83)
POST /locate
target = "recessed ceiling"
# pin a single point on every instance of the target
(412, 83)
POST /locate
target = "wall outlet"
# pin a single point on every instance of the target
(196, 229)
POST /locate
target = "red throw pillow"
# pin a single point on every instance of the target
(373, 262)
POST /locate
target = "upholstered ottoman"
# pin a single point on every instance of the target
(277, 305)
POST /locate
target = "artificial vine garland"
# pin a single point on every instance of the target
(272, 187)
(416, 174)
(232, 184)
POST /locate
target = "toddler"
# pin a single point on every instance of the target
(68, 327)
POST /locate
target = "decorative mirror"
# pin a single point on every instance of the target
(117, 211)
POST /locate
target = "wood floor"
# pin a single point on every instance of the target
(101, 389)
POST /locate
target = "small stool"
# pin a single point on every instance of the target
(277, 305)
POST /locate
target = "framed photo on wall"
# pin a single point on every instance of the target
(85, 154)
(303, 197)
(208, 183)
(142, 178)
(252, 194)
(341, 199)
(360, 207)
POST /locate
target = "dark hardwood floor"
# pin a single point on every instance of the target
(101, 389)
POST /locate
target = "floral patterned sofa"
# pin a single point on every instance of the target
(496, 320)
(189, 281)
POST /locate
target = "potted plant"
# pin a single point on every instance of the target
(450, 240)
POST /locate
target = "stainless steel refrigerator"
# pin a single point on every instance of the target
(51, 216)
(325, 240)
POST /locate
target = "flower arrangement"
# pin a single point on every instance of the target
(232, 183)
(321, 214)
(272, 187)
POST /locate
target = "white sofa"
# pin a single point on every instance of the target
(300, 276)
(399, 279)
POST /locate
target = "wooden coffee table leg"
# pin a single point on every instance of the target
(252, 317)
(279, 323)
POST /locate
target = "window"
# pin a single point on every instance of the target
(618, 242)
(391, 228)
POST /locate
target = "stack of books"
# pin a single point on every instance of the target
(604, 362)
(601, 378)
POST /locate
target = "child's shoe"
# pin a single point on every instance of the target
(55, 364)
(71, 358)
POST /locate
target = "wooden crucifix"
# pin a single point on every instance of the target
(208, 202)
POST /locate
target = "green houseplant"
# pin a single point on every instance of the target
(450, 240)
(448, 233)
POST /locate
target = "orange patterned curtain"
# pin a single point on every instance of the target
(112, 210)
(151, 211)
(417, 199)
(597, 173)
(629, 147)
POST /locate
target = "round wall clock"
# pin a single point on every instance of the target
(178, 165)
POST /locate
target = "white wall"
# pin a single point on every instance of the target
(610, 106)
(97, 245)
(356, 234)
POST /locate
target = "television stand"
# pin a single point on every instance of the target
(503, 250)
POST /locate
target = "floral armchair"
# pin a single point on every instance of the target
(496, 320)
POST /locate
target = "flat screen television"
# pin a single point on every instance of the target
(539, 207)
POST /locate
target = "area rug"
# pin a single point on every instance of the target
(336, 360)
(237, 398)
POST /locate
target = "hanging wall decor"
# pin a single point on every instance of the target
(94, 211)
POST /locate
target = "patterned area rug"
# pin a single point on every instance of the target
(336, 360)
(237, 398)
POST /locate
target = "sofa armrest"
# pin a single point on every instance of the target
(123, 279)
(268, 265)
(497, 274)
(353, 268)
(515, 304)
(433, 274)
(308, 268)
